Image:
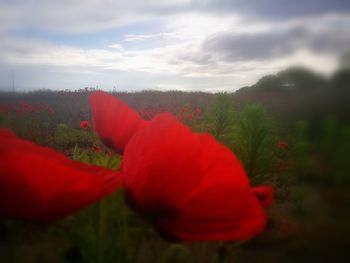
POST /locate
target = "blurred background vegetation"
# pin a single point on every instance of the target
(290, 130)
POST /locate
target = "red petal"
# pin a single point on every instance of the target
(193, 187)
(114, 121)
(160, 163)
(41, 185)
(6, 133)
(216, 210)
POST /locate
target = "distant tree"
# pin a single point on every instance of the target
(295, 79)
(301, 79)
(340, 85)
(269, 83)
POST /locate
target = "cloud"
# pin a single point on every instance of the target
(163, 36)
(230, 46)
(116, 46)
(39, 64)
(235, 47)
(92, 15)
(276, 9)
(82, 15)
(23, 51)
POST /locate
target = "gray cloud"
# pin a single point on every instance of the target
(277, 9)
(80, 15)
(334, 41)
(232, 47)
(93, 15)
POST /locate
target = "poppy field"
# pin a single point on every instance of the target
(300, 150)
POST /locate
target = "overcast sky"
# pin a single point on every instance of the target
(207, 45)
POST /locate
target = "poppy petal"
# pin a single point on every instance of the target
(41, 185)
(217, 210)
(6, 133)
(114, 121)
(189, 185)
(158, 166)
(221, 207)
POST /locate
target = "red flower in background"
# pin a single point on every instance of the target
(25, 107)
(96, 148)
(184, 109)
(42, 185)
(50, 111)
(198, 111)
(281, 144)
(191, 186)
(84, 125)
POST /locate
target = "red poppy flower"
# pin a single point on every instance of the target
(84, 124)
(42, 185)
(199, 111)
(96, 148)
(114, 121)
(190, 186)
(281, 144)
(50, 110)
(25, 108)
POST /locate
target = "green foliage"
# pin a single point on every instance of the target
(301, 148)
(253, 142)
(220, 116)
(66, 137)
(36, 127)
(99, 158)
(323, 157)
(176, 253)
(103, 232)
(102, 235)
(249, 133)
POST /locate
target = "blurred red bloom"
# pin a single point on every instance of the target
(50, 110)
(96, 148)
(191, 186)
(26, 107)
(84, 124)
(281, 144)
(198, 111)
(42, 185)
(184, 109)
